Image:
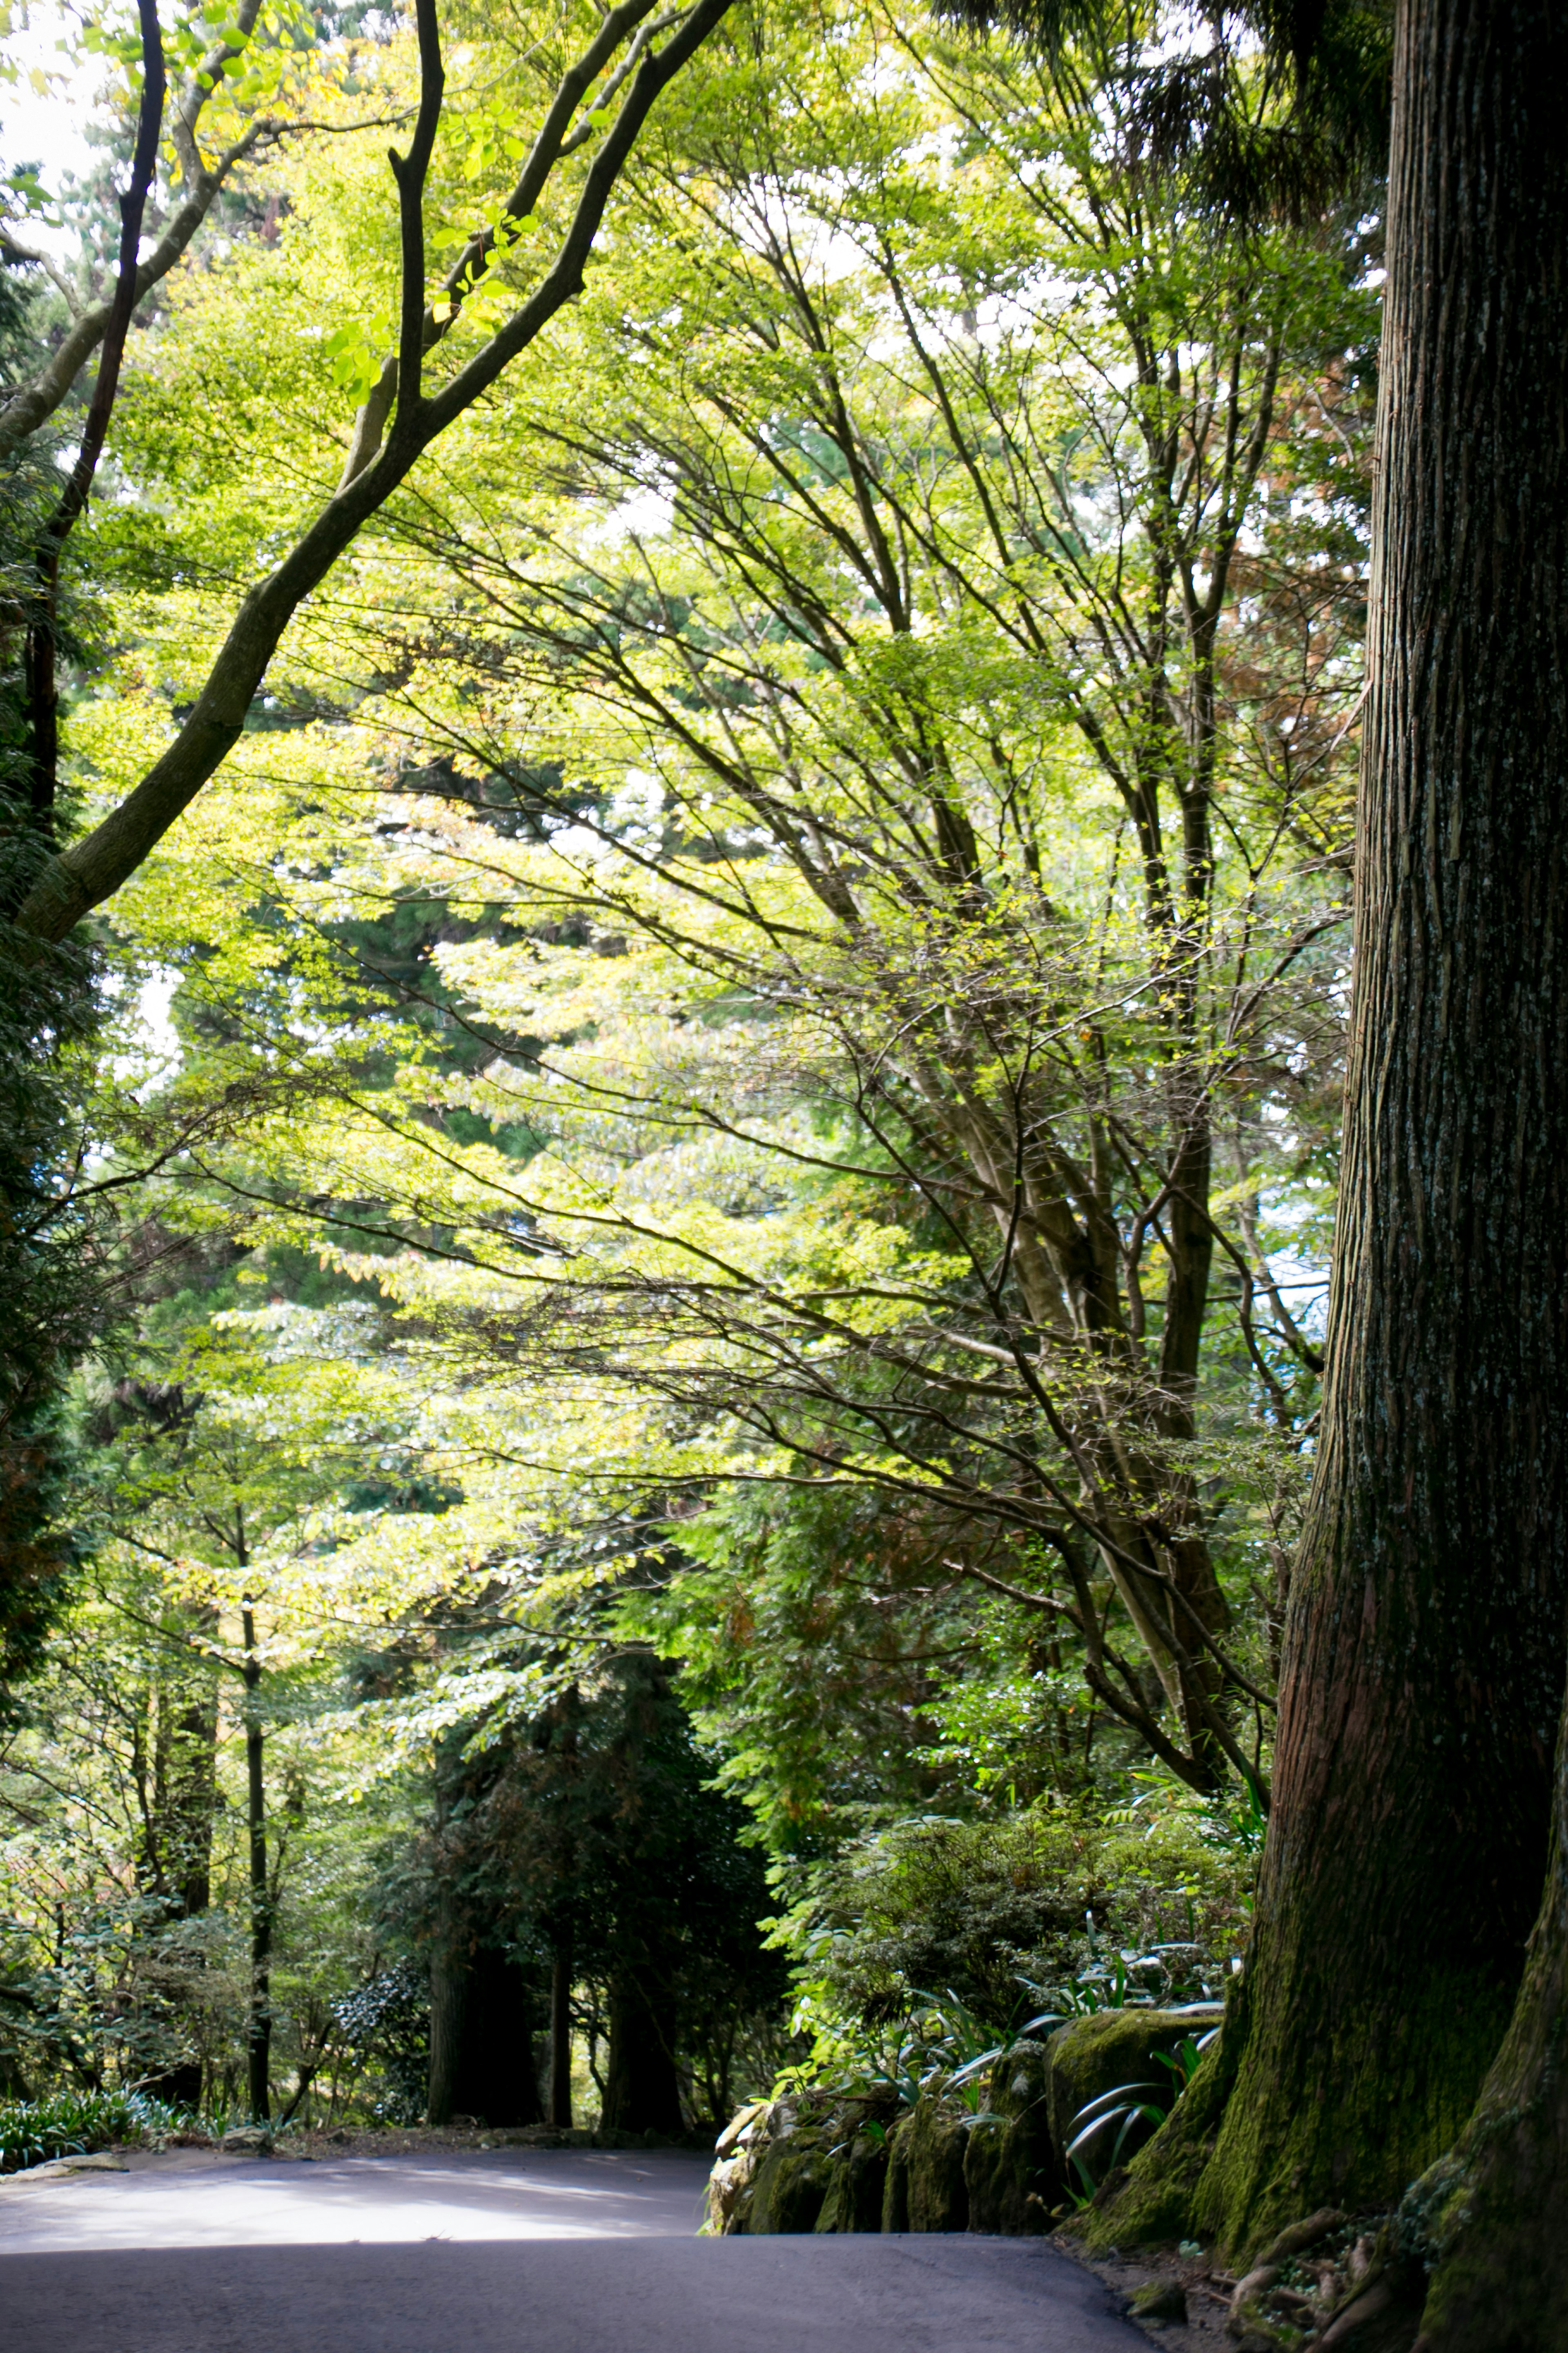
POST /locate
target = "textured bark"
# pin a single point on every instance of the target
(1488, 2218)
(449, 1983)
(1425, 1650)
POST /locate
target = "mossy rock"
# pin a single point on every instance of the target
(936, 2140)
(1011, 2169)
(896, 2189)
(1093, 2055)
(856, 2186)
(789, 2186)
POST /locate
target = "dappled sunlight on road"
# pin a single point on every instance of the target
(189, 2198)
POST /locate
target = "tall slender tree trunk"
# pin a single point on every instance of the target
(185, 1786)
(258, 2024)
(449, 1987)
(1424, 1645)
(561, 2034)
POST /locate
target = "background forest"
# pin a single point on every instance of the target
(664, 1267)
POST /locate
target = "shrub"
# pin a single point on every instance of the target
(1053, 1908)
(68, 2124)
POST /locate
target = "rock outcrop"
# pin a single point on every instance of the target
(822, 2160)
(1012, 2168)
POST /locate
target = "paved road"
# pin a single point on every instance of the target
(536, 2251)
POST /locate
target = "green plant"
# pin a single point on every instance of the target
(67, 2124)
(962, 2037)
(1098, 2115)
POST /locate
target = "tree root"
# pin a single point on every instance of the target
(1330, 2285)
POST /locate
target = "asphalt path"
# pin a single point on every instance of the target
(508, 2251)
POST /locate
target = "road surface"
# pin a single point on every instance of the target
(557, 2250)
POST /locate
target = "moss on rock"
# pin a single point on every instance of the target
(1094, 2056)
(1011, 2168)
(896, 2189)
(936, 2139)
(857, 2180)
(790, 2184)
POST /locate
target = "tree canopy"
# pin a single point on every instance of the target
(680, 832)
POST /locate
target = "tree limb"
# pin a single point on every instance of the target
(86, 874)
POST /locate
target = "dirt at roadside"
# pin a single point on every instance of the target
(1208, 2291)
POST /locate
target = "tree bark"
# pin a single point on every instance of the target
(561, 2035)
(258, 2023)
(483, 2012)
(449, 1978)
(641, 2090)
(1425, 1646)
(1488, 2218)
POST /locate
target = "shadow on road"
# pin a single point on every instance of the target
(609, 2295)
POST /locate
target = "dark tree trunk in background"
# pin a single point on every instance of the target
(448, 1982)
(186, 1792)
(494, 2079)
(561, 2035)
(258, 2024)
(483, 2013)
(641, 2092)
(1424, 1665)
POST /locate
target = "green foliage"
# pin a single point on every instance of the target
(660, 1290)
(1023, 1920)
(71, 2123)
(1117, 2121)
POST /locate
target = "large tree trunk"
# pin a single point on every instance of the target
(641, 2091)
(1425, 1650)
(494, 2078)
(1491, 2213)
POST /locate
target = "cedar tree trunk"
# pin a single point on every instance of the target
(1424, 1664)
(494, 2079)
(1490, 2216)
(641, 2092)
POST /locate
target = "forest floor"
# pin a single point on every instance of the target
(1207, 2293)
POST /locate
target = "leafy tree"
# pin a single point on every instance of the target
(961, 964)
(589, 1843)
(214, 1478)
(396, 419)
(1356, 2048)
